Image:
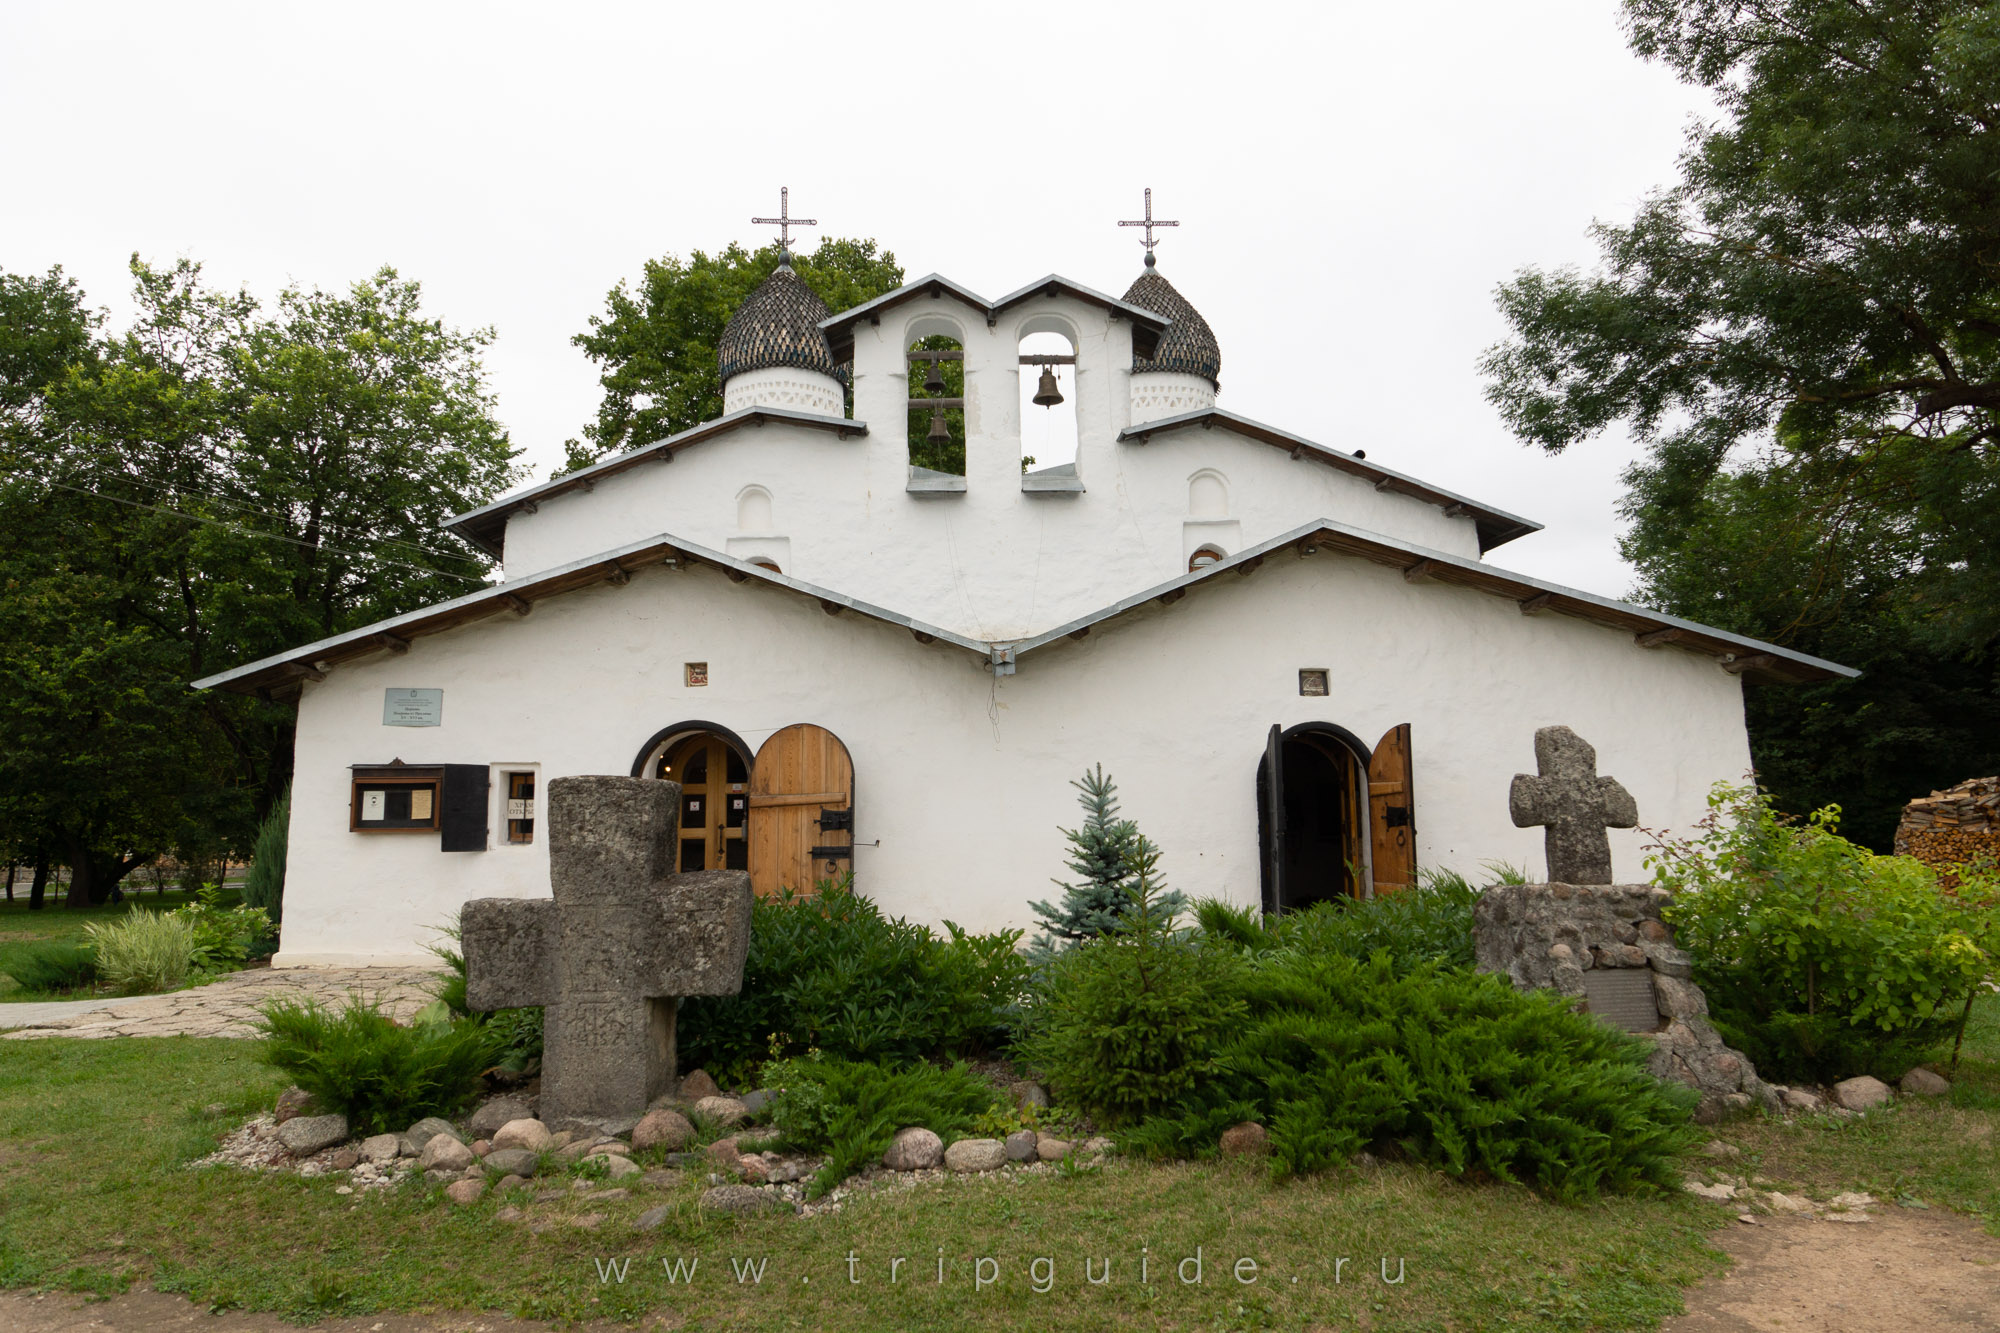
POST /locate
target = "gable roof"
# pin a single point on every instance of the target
(1496, 526)
(1752, 659)
(1147, 326)
(486, 526)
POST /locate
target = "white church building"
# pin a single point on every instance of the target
(1296, 664)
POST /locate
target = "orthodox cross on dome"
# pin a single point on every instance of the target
(1149, 222)
(1574, 805)
(784, 222)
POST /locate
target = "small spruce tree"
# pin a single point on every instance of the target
(1107, 854)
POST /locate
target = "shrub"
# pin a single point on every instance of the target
(1126, 1024)
(54, 965)
(1105, 852)
(1458, 1070)
(144, 951)
(264, 886)
(829, 971)
(517, 1033)
(380, 1075)
(223, 936)
(1430, 923)
(1820, 958)
(851, 1110)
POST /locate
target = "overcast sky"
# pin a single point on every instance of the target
(1351, 180)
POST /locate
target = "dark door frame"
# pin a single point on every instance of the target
(1271, 809)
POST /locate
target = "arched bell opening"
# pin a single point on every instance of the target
(1048, 397)
(712, 765)
(937, 399)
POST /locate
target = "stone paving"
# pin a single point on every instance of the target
(227, 1006)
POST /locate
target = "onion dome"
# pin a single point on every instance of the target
(777, 326)
(1188, 347)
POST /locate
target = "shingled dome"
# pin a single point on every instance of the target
(1189, 346)
(777, 325)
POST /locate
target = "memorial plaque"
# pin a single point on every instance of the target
(412, 708)
(1623, 997)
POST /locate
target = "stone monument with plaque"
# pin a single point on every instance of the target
(1606, 944)
(611, 953)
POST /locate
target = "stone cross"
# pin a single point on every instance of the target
(611, 953)
(1574, 804)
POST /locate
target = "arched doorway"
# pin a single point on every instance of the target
(801, 810)
(1334, 817)
(712, 764)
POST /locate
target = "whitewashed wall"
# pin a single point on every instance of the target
(962, 777)
(992, 562)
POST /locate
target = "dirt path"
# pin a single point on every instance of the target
(1902, 1269)
(228, 1005)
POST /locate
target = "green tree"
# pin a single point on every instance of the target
(209, 487)
(1108, 855)
(655, 347)
(1805, 332)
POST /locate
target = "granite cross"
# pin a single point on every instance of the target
(1575, 805)
(611, 953)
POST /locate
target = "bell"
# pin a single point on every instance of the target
(934, 382)
(1047, 394)
(939, 432)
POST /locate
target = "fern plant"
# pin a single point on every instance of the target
(851, 1110)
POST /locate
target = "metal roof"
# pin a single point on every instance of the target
(1496, 526)
(1750, 658)
(1147, 325)
(486, 526)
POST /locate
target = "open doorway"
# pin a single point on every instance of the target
(713, 767)
(1314, 818)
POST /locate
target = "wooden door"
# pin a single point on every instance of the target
(801, 810)
(1274, 819)
(713, 780)
(1392, 811)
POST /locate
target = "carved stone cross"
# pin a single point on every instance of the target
(611, 953)
(1575, 805)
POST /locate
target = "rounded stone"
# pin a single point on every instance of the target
(428, 1128)
(1923, 1083)
(379, 1148)
(1050, 1148)
(530, 1134)
(615, 1167)
(697, 1085)
(465, 1191)
(1863, 1093)
(668, 1129)
(444, 1153)
(1030, 1094)
(969, 1155)
(914, 1149)
(1020, 1146)
(1247, 1139)
(513, 1161)
(308, 1134)
(726, 1111)
(292, 1103)
(488, 1119)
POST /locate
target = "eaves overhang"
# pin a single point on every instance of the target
(284, 672)
(1752, 659)
(1147, 326)
(1495, 526)
(486, 527)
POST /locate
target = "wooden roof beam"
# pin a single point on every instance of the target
(1424, 571)
(1736, 666)
(1537, 604)
(1659, 638)
(516, 603)
(395, 643)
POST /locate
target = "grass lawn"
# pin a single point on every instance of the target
(21, 929)
(94, 1138)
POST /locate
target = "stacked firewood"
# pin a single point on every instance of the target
(1955, 827)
